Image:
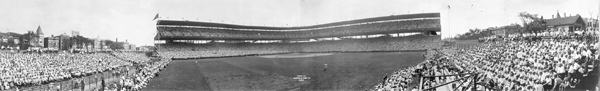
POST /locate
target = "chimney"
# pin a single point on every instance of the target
(565, 14)
(552, 16)
(557, 14)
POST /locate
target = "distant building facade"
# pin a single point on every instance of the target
(52, 43)
(39, 38)
(567, 23)
(32, 40)
(65, 42)
(591, 22)
(8, 42)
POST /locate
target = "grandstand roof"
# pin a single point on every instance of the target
(210, 24)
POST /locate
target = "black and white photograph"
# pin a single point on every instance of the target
(299, 45)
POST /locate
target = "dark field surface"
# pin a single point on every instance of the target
(345, 71)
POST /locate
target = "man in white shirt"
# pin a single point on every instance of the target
(560, 69)
(325, 67)
(573, 68)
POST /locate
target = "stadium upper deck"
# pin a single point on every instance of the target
(188, 30)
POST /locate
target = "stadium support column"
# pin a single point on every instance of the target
(420, 84)
(474, 82)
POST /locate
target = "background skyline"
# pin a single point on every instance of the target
(132, 19)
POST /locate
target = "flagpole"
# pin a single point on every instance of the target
(448, 18)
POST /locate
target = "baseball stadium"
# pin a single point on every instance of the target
(299, 45)
(398, 52)
(346, 55)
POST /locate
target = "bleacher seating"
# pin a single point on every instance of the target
(550, 60)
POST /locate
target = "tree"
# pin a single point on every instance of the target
(80, 41)
(114, 45)
(532, 22)
(516, 24)
(24, 40)
(65, 42)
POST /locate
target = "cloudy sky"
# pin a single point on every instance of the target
(132, 19)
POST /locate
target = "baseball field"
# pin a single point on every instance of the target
(319, 71)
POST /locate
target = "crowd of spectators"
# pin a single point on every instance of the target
(29, 69)
(415, 42)
(408, 79)
(548, 60)
(143, 74)
(579, 34)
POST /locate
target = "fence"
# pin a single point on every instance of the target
(469, 78)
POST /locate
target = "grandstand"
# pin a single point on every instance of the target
(549, 60)
(190, 39)
(217, 56)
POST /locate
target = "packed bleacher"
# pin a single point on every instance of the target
(548, 60)
(73, 71)
(28, 69)
(143, 75)
(415, 42)
(435, 64)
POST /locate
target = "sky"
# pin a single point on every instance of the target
(131, 20)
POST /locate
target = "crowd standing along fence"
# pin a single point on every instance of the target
(94, 82)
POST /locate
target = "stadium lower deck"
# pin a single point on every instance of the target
(345, 71)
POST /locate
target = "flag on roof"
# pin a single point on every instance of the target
(155, 17)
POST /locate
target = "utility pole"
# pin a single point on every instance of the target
(597, 27)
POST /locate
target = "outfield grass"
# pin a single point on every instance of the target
(345, 71)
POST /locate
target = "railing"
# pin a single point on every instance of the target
(472, 83)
